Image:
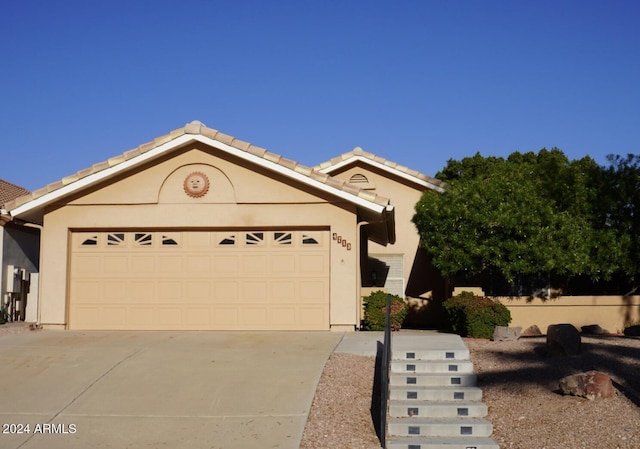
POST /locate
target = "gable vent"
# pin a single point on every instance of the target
(358, 178)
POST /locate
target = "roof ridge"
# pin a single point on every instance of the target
(196, 127)
(360, 152)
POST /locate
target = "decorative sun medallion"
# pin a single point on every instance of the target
(196, 185)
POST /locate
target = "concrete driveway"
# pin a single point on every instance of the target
(97, 389)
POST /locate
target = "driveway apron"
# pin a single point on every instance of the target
(122, 389)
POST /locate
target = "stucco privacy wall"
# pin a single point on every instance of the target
(243, 196)
(612, 313)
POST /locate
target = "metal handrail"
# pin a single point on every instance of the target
(386, 361)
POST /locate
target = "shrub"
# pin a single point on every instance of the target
(475, 316)
(375, 309)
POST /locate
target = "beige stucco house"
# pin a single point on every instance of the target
(403, 268)
(199, 230)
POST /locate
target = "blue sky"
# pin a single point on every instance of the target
(417, 82)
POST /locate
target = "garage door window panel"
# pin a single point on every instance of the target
(116, 239)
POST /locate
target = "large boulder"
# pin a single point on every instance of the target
(591, 385)
(563, 340)
(632, 331)
(532, 331)
(504, 333)
(594, 329)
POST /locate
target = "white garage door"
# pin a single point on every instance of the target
(240, 280)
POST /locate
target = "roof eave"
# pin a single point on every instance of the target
(31, 206)
(396, 172)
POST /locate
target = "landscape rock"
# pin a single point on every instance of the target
(531, 331)
(591, 385)
(503, 333)
(594, 329)
(563, 340)
(632, 331)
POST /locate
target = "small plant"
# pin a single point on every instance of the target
(375, 309)
(475, 316)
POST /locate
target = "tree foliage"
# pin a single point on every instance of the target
(533, 213)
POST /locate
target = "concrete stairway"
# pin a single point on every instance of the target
(433, 399)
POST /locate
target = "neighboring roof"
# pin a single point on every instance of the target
(196, 131)
(358, 154)
(9, 191)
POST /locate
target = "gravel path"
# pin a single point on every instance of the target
(519, 386)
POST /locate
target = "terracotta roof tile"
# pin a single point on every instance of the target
(273, 157)
(210, 132)
(241, 145)
(225, 138)
(359, 152)
(256, 151)
(10, 191)
(197, 127)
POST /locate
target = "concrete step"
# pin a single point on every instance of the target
(431, 366)
(429, 354)
(424, 346)
(433, 379)
(441, 443)
(437, 409)
(403, 392)
(439, 427)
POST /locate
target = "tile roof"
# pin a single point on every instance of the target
(198, 128)
(9, 192)
(360, 153)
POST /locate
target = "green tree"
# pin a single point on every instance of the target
(524, 215)
(620, 212)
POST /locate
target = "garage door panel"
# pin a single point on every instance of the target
(115, 265)
(198, 241)
(283, 264)
(254, 265)
(88, 316)
(171, 265)
(226, 265)
(142, 291)
(283, 292)
(197, 317)
(312, 317)
(141, 317)
(252, 292)
(88, 291)
(170, 292)
(253, 317)
(225, 318)
(284, 317)
(88, 265)
(313, 263)
(169, 317)
(199, 265)
(142, 265)
(114, 316)
(226, 292)
(200, 280)
(198, 290)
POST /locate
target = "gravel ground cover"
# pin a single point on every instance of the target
(520, 388)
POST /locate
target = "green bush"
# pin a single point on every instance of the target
(375, 309)
(475, 316)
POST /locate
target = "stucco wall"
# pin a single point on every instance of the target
(612, 313)
(403, 195)
(241, 196)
